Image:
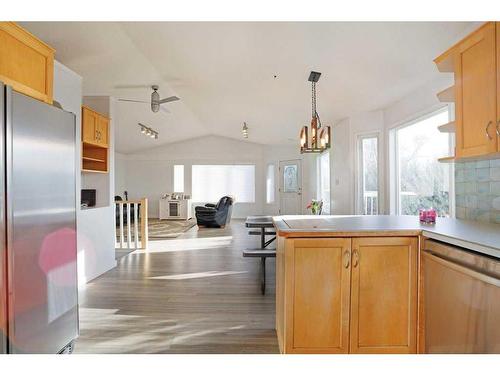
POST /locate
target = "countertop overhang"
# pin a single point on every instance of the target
(477, 236)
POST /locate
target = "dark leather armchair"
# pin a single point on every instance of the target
(215, 215)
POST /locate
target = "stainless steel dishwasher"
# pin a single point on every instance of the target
(461, 300)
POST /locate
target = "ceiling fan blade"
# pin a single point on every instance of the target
(133, 101)
(163, 109)
(132, 86)
(169, 99)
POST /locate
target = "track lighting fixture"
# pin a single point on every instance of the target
(146, 130)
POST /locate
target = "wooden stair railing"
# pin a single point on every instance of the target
(140, 222)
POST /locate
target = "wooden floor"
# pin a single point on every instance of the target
(192, 294)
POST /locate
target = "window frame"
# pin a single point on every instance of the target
(358, 178)
(319, 178)
(255, 176)
(183, 178)
(394, 165)
(273, 189)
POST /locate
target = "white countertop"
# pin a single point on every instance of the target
(476, 236)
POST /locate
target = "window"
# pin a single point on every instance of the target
(419, 180)
(178, 178)
(270, 184)
(324, 181)
(211, 182)
(367, 175)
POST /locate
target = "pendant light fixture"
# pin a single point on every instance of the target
(319, 139)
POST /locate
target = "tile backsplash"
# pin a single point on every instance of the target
(477, 190)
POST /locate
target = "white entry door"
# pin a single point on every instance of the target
(290, 187)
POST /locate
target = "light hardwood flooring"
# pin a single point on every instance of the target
(192, 294)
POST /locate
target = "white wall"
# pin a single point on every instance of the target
(120, 174)
(275, 154)
(95, 227)
(341, 170)
(150, 173)
(344, 159)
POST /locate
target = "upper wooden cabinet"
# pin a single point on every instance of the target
(26, 63)
(475, 94)
(95, 127)
(498, 85)
(102, 130)
(476, 68)
(95, 141)
(343, 295)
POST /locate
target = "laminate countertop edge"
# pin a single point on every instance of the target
(483, 238)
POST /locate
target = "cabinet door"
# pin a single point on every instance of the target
(384, 295)
(89, 126)
(475, 91)
(26, 63)
(102, 130)
(498, 86)
(321, 293)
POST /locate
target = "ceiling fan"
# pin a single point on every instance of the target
(155, 100)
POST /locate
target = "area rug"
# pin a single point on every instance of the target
(161, 229)
(158, 229)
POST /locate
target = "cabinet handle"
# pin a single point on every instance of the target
(498, 128)
(347, 258)
(355, 258)
(487, 128)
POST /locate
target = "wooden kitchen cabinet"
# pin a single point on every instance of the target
(26, 63)
(95, 136)
(320, 296)
(331, 299)
(102, 131)
(474, 62)
(497, 125)
(475, 94)
(95, 127)
(89, 125)
(384, 295)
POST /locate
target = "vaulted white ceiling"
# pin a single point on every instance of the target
(224, 73)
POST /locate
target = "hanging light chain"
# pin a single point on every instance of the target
(313, 99)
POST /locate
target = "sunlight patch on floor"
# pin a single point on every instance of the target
(196, 275)
(186, 244)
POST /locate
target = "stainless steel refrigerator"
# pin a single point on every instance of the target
(38, 279)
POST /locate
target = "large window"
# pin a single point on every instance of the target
(324, 181)
(178, 178)
(270, 184)
(367, 175)
(420, 181)
(211, 182)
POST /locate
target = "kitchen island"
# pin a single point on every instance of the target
(350, 284)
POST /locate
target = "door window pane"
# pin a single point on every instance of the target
(290, 179)
(368, 175)
(423, 182)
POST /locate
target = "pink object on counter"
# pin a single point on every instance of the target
(427, 216)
